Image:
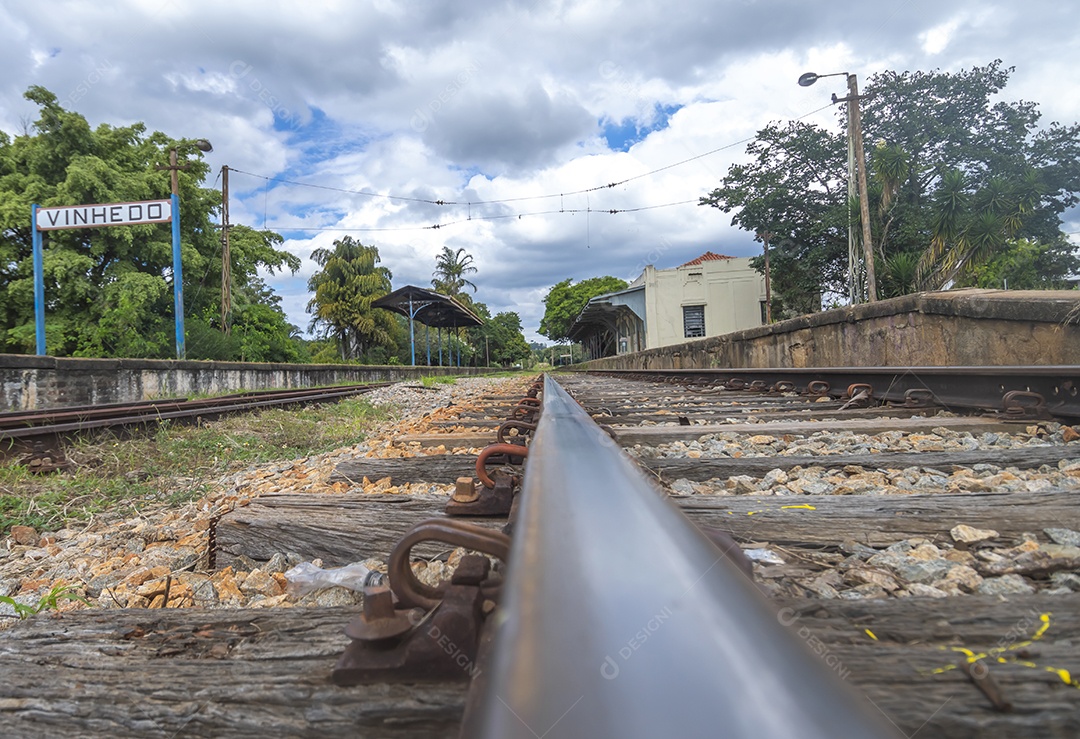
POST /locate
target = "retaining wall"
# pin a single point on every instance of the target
(954, 328)
(32, 382)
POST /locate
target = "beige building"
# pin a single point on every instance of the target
(707, 296)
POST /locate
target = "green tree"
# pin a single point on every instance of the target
(500, 339)
(509, 346)
(790, 189)
(1027, 265)
(565, 300)
(108, 291)
(343, 290)
(955, 176)
(450, 270)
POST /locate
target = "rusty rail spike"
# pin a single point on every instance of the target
(510, 450)
(1015, 407)
(524, 428)
(410, 592)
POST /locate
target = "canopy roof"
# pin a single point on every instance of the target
(602, 312)
(428, 307)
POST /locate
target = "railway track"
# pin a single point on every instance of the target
(914, 560)
(36, 437)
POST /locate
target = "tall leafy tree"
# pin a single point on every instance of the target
(795, 187)
(108, 291)
(565, 300)
(500, 339)
(450, 270)
(957, 177)
(507, 343)
(349, 281)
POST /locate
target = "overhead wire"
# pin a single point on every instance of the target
(498, 201)
(497, 217)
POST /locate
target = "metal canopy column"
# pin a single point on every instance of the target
(412, 333)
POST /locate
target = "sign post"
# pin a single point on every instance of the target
(97, 216)
(39, 284)
(178, 279)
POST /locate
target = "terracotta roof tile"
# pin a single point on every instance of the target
(706, 257)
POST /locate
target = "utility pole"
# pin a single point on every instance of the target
(855, 124)
(226, 257)
(855, 142)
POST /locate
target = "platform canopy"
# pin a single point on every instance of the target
(429, 308)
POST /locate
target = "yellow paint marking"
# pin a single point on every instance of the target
(1065, 675)
(870, 634)
(1045, 618)
(804, 507)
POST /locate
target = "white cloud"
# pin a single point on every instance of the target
(936, 39)
(471, 102)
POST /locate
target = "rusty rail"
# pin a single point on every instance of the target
(1016, 391)
(620, 618)
(20, 430)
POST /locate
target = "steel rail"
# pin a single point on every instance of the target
(205, 409)
(620, 619)
(952, 387)
(75, 414)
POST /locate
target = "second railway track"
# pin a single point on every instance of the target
(38, 436)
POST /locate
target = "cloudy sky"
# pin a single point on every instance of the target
(351, 118)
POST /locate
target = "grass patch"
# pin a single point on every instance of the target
(174, 463)
(433, 380)
(48, 602)
(525, 373)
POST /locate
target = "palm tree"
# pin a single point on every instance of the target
(450, 270)
(969, 228)
(344, 289)
(898, 274)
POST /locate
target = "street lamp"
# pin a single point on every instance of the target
(855, 143)
(178, 271)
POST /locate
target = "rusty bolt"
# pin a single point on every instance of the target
(465, 492)
(379, 620)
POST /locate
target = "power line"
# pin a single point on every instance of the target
(428, 201)
(501, 216)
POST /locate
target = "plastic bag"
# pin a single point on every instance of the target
(765, 556)
(306, 577)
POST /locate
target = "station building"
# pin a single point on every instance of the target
(708, 296)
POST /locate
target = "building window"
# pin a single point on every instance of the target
(693, 320)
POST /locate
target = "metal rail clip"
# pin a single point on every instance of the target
(403, 643)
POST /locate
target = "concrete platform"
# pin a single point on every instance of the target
(969, 327)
